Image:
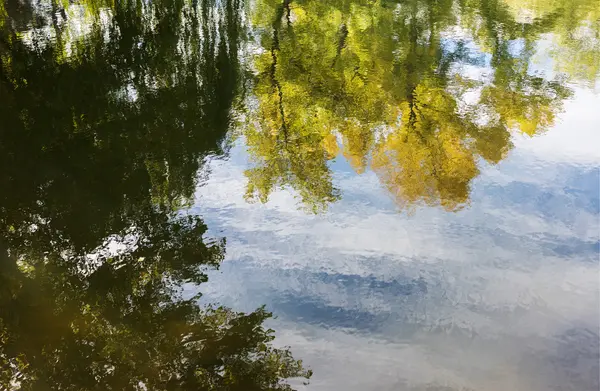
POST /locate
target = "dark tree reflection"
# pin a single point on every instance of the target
(108, 111)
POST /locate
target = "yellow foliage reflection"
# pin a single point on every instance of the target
(416, 91)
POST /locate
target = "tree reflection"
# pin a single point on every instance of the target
(417, 91)
(107, 115)
(575, 38)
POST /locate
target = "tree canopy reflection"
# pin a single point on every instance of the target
(417, 91)
(107, 115)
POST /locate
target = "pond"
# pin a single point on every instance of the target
(300, 194)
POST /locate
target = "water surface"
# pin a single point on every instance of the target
(410, 187)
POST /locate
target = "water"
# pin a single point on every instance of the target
(410, 188)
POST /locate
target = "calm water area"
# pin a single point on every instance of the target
(315, 195)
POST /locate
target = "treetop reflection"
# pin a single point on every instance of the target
(417, 91)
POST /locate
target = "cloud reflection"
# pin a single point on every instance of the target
(501, 295)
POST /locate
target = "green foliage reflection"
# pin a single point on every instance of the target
(108, 111)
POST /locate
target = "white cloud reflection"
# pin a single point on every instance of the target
(503, 295)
